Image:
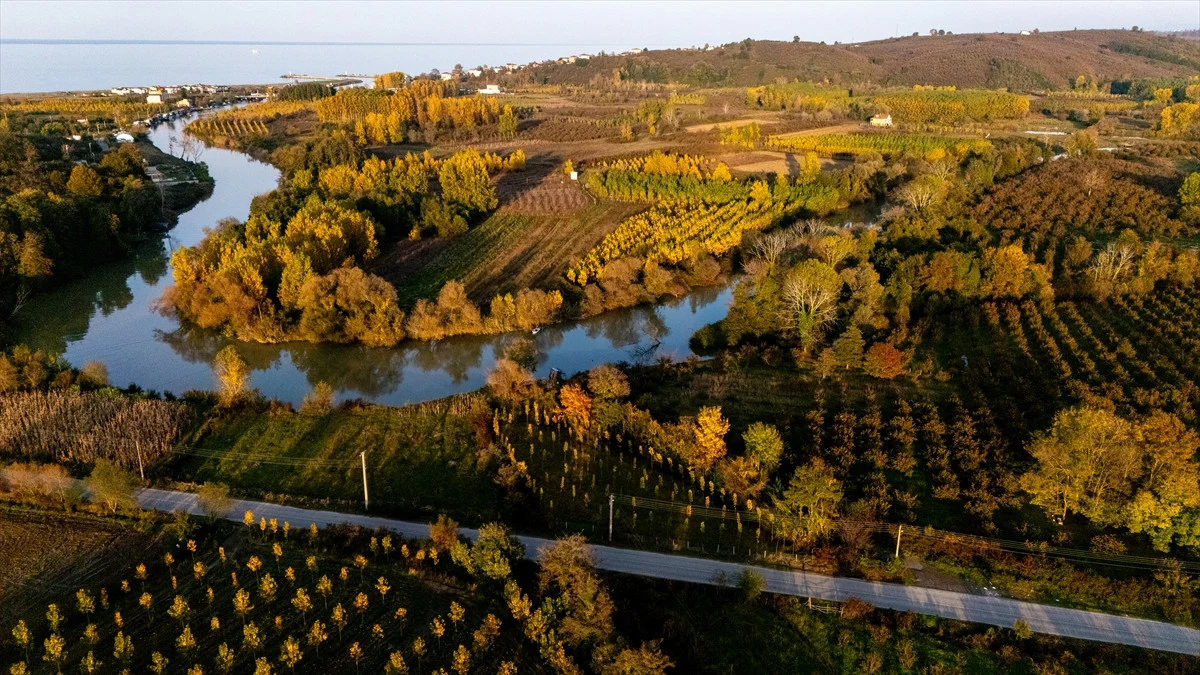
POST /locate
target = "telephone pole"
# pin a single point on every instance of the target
(137, 446)
(899, 532)
(611, 499)
(366, 497)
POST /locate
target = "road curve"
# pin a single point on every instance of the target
(1073, 623)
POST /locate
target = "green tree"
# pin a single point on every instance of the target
(810, 502)
(1084, 464)
(492, 555)
(849, 348)
(85, 182)
(810, 298)
(111, 485)
(764, 445)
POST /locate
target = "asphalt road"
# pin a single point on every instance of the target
(1074, 623)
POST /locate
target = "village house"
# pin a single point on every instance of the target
(490, 89)
(881, 120)
(154, 95)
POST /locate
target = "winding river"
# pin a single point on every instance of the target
(110, 317)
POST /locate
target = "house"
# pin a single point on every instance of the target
(490, 89)
(475, 72)
(183, 103)
(881, 120)
(511, 67)
(635, 50)
(572, 59)
(446, 77)
(1024, 32)
(124, 137)
(154, 95)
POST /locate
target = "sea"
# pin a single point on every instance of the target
(52, 66)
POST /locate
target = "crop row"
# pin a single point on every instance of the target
(888, 145)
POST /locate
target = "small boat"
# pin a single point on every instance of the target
(536, 330)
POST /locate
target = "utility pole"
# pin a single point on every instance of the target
(611, 499)
(899, 532)
(137, 446)
(366, 498)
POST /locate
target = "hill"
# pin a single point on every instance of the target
(1024, 62)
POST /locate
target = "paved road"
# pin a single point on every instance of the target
(1004, 612)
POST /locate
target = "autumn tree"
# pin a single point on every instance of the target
(232, 374)
(709, 431)
(464, 180)
(511, 383)
(883, 361)
(575, 407)
(607, 382)
(764, 445)
(1085, 462)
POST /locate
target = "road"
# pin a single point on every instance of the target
(1073, 623)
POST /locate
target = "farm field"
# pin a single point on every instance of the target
(43, 554)
(509, 251)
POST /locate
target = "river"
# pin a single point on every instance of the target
(109, 317)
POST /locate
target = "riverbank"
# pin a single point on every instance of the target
(182, 183)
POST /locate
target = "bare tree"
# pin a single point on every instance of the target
(770, 247)
(810, 297)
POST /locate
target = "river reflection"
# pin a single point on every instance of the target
(109, 317)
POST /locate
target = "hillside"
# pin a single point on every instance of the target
(970, 60)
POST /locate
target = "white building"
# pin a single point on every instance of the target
(154, 95)
(490, 89)
(124, 137)
(446, 77)
(881, 120)
(475, 72)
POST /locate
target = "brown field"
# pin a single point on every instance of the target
(764, 161)
(541, 193)
(761, 119)
(43, 555)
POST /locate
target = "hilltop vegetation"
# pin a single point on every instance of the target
(994, 61)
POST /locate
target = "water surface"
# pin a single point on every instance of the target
(110, 317)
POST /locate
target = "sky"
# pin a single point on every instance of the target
(650, 24)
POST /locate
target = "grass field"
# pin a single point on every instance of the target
(420, 459)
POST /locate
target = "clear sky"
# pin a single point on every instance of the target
(684, 23)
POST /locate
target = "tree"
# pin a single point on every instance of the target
(810, 297)
(213, 499)
(464, 180)
(492, 555)
(123, 648)
(511, 383)
(764, 445)
(1084, 464)
(316, 635)
(232, 374)
(883, 361)
(111, 485)
(574, 406)
(645, 660)
(567, 569)
(709, 432)
(810, 502)
(289, 653)
(94, 374)
(608, 382)
(849, 348)
(1189, 197)
(85, 182)
(443, 533)
(54, 650)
